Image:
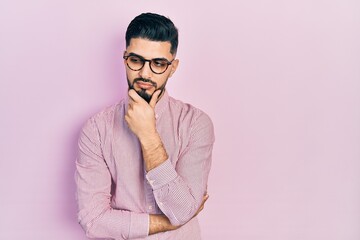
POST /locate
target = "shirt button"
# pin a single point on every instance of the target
(160, 203)
(150, 207)
(156, 116)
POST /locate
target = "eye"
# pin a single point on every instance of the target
(135, 59)
(159, 63)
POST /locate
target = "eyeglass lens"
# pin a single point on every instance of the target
(156, 65)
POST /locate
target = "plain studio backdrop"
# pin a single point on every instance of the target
(280, 79)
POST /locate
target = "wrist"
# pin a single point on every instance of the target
(153, 151)
(148, 137)
(160, 223)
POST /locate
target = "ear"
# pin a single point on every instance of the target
(124, 55)
(174, 66)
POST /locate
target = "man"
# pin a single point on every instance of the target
(143, 163)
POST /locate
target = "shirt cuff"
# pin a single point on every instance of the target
(161, 175)
(139, 225)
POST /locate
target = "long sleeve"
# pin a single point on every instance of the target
(179, 189)
(93, 180)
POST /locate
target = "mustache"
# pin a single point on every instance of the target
(145, 80)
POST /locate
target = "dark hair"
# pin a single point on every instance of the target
(153, 27)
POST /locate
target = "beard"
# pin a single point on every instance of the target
(142, 92)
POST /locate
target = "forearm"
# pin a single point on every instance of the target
(173, 195)
(179, 181)
(95, 215)
(116, 224)
(154, 153)
(180, 205)
(160, 223)
(179, 190)
(93, 195)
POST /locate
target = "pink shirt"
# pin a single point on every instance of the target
(114, 192)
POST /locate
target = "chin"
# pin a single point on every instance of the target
(144, 94)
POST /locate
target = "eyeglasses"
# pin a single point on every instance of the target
(157, 65)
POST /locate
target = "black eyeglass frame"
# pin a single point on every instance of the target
(168, 63)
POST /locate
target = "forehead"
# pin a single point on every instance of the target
(149, 49)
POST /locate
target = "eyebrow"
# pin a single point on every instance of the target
(139, 56)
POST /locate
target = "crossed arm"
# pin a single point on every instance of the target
(100, 220)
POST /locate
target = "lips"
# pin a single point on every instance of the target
(144, 85)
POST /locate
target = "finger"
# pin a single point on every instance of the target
(205, 198)
(130, 104)
(200, 208)
(130, 95)
(134, 96)
(154, 98)
(127, 119)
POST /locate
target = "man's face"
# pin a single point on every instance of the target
(145, 82)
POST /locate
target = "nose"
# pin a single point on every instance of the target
(146, 72)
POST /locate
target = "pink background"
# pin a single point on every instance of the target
(280, 79)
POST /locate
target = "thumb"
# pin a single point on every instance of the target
(154, 98)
